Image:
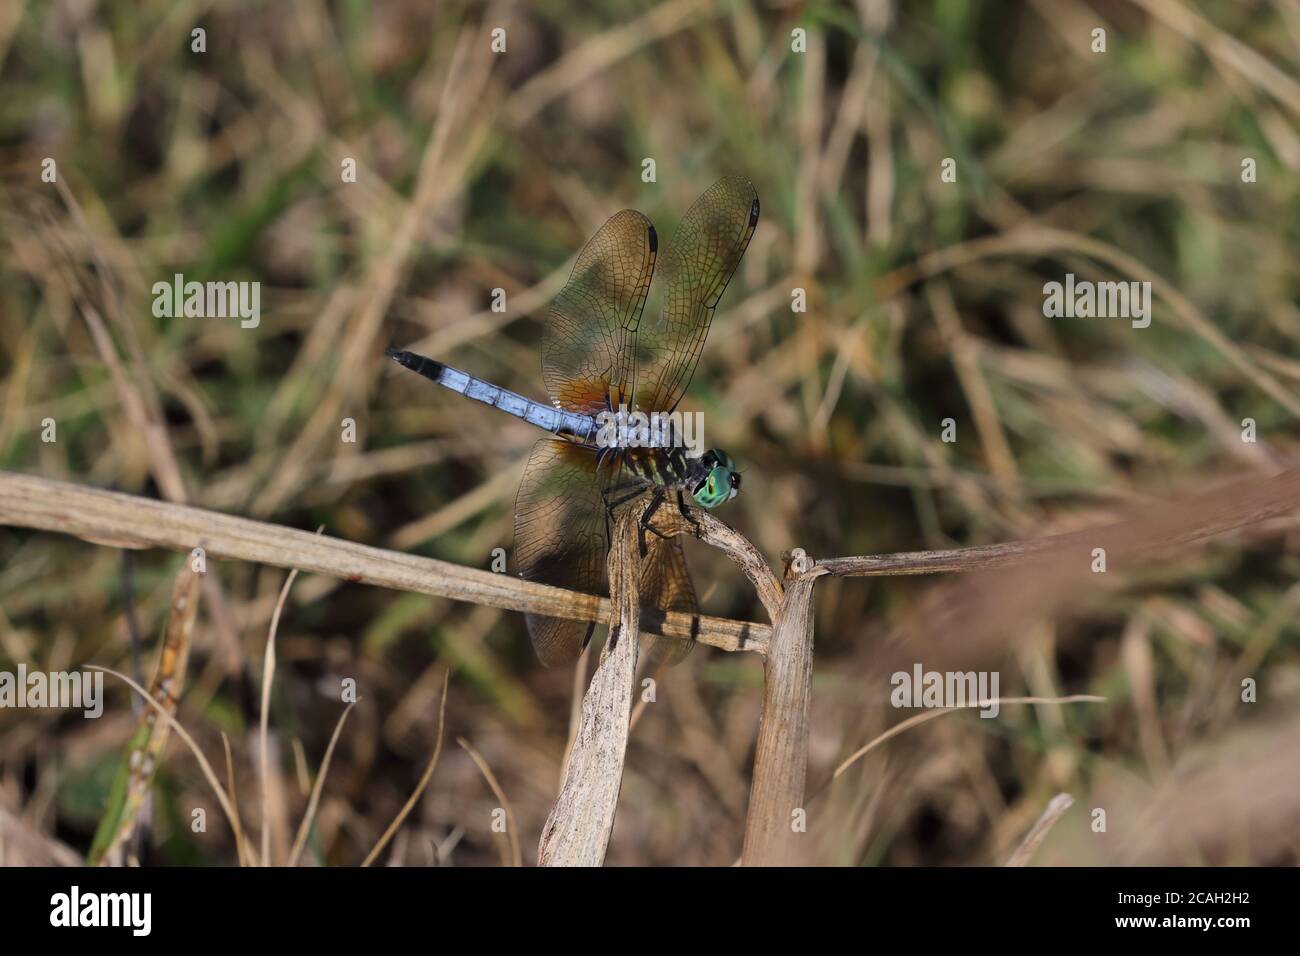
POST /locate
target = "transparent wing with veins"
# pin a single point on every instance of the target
(587, 339)
(696, 268)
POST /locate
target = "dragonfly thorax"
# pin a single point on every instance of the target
(710, 479)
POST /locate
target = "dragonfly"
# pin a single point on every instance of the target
(602, 363)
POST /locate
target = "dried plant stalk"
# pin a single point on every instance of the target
(1155, 527)
(1056, 808)
(776, 793)
(132, 521)
(578, 828)
(144, 750)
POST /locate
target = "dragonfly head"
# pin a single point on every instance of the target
(714, 479)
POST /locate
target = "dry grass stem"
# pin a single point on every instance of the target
(425, 777)
(929, 715)
(304, 828)
(268, 678)
(1055, 809)
(514, 857)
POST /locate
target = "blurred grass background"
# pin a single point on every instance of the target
(477, 171)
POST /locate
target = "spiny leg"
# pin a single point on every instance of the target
(609, 495)
(626, 498)
(637, 483)
(601, 455)
(655, 503)
(628, 489)
(681, 509)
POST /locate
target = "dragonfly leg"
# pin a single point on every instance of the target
(637, 483)
(611, 505)
(655, 503)
(681, 508)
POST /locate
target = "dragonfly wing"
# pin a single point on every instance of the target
(666, 584)
(560, 537)
(697, 265)
(588, 334)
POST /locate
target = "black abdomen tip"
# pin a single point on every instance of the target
(416, 363)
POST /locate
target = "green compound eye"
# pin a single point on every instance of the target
(715, 489)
